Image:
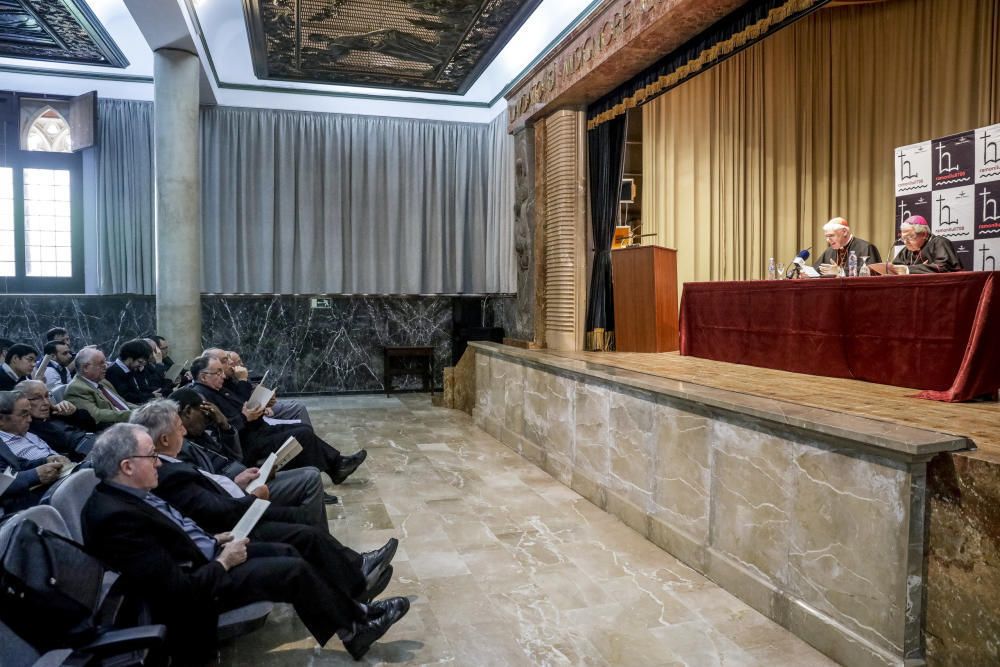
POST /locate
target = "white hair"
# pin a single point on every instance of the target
(86, 355)
(835, 224)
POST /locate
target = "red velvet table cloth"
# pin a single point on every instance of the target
(939, 333)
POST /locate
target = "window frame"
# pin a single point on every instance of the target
(18, 160)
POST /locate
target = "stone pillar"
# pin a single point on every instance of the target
(524, 327)
(178, 201)
(564, 216)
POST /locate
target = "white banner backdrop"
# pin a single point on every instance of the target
(954, 182)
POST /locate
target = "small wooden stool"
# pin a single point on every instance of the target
(397, 361)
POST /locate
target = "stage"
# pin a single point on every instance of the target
(979, 422)
(807, 497)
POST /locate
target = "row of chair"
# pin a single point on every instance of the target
(128, 646)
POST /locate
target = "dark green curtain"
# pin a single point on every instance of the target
(606, 162)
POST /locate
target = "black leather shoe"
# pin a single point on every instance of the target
(348, 464)
(377, 583)
(367, 634)
(330, 499)
(373, 560)
(379, 607)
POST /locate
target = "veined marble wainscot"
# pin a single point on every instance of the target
(815, 519)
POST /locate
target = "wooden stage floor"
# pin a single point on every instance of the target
(980, 422)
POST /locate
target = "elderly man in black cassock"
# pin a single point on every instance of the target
(923, 252)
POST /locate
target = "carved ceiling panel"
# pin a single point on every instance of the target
(428, 45)
(58, 30)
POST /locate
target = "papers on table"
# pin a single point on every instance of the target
(810, 271)
(6, 479)
(261, 395)
(250, 519)
(275, 461)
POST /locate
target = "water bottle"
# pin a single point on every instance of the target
(771, 270)
(852, 265)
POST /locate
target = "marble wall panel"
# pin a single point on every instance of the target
(537, 388)
(683, 479)
(592, 436)
(500, 372)
(308, 350)
(842, 502)
(484, 389)
(513, 397)
(561, 428)
(631, 460)
(751, 494)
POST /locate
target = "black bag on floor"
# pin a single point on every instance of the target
(49, 586)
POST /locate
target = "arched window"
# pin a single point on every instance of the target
(49, 133)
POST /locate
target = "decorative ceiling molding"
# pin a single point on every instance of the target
(424, 45)
(56, 30)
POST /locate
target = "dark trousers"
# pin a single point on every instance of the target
(259, 441)
(338, 565)
(275, 572)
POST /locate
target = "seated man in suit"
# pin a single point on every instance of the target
(20, 362)
(188, 576)
(91, 392)
(37, 468)
(217, 504)
(125, 374)
(60, 358)
(300, 487)
(71, 435)
(238, 381)
(257, 437)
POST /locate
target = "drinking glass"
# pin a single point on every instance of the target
(864, 271)
(780, 270)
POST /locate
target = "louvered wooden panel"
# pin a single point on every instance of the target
(563, 229)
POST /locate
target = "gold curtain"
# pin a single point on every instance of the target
(749, 160)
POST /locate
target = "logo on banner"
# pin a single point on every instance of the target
(988, 154)
(954, 212)
(987, 211)
(964, 250)
(954, 157)
(913, 168)
(987, 254)
(918, 204)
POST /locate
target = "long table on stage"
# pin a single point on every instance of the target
(937, 333)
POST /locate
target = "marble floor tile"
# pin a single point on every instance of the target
(503, 565)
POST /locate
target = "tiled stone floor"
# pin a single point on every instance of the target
(505, 566)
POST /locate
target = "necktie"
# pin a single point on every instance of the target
(116, 402)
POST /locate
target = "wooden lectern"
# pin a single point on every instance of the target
(645, 284)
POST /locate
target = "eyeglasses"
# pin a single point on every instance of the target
(143, 456)
(211, 372)
(38, 398)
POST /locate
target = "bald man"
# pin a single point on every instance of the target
(833, 261)
(923, 252)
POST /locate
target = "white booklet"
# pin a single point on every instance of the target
(250, 519)
(67, 469)
(6, 479)
(274, 462)
(175, 371)
(261, 395)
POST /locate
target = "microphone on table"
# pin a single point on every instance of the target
(795, 267)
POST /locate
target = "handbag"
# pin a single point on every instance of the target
(49, 586)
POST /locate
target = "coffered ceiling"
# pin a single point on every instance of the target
(445, 59)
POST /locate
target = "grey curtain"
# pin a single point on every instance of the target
(126, 241)
(318, 203)
(322, 203)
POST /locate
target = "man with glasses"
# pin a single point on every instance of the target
(189, 576)
(20, 362)
(91, 392)
(34, 463)
(923, 252)
(257, 437)
(72, 434)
